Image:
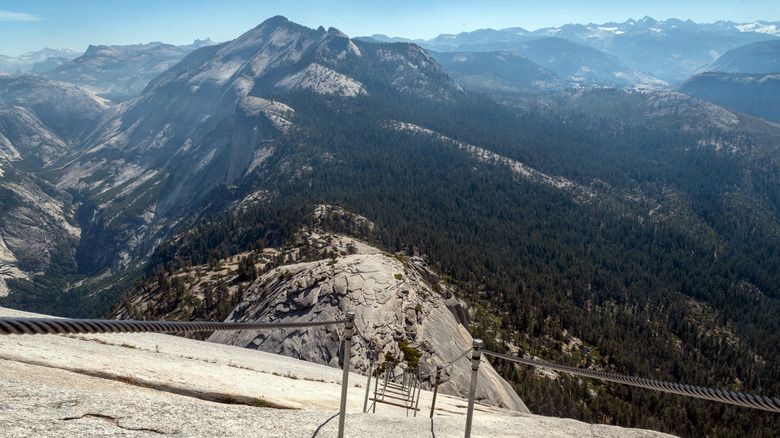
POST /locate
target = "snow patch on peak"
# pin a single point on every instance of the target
(322, 80)
(759, 27)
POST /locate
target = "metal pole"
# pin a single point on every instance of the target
(475, 357)
(368, 387)
(376, 388)
(412, 386)
(348, 327)
(436, 387)
(410, 395)
(419, 391)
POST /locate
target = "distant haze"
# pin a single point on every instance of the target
(31, 26)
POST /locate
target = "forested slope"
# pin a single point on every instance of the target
(664, 268)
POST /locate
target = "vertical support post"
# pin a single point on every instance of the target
(376, 388)
(436, 387)
(417, 403)
(476, 355)
(412, 389)
(348, 327)
(368, 385)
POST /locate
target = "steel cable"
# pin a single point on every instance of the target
(40, 326)
(736, 398)
(20, 326)
(457, 358)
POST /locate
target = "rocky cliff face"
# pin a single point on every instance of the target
(40, 122)
(36, 230)
(395, 299)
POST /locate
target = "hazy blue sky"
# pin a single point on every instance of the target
(28, 25)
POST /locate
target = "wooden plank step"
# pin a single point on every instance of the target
(397, 398)
(393, 404)
(396, 392)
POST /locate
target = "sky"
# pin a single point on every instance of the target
(30, 25)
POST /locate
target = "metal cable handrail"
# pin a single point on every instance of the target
(736, 398)
(40, 326)
(457, 358)
(21, 326)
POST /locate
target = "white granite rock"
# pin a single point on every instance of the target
(394, 298)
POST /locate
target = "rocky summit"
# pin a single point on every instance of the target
(396, 300)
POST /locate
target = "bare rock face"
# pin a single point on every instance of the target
(37, 228)
(395, 299)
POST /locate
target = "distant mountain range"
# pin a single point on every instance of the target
(646, 54)
(670, 50)
(731, 64)
(21, 64)
(119, 73)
